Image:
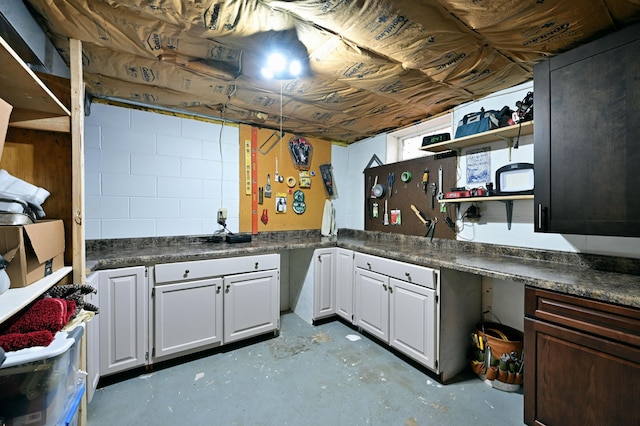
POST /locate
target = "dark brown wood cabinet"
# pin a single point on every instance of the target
(587, 138)
(582, 361)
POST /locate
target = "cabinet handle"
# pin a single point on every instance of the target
(384, 286)
(319, 258)
(256, 266)
(408, 275)
(226, 290)
(539, 216)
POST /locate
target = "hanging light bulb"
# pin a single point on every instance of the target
(280, 66)
(295, 67)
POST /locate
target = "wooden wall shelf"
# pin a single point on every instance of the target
(506, 199)
(505, 133)
(493, 198)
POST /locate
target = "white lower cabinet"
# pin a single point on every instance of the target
(333, 283)
(344, 283)
(413, 321)
(181, 308)
(123, 325)
(324, 283)
(399, 313)
(372, 303)
(424, 313)
(251, 305)
(187, 316)
(93, 339)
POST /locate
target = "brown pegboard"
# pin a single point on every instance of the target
(315, 196)
(406, 194)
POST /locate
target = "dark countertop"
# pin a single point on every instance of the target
(605, 278)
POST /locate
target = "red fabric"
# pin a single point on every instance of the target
(71, 309)
(16, 341)
(45, 314)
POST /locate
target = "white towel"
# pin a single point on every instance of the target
(14, 188)
(328, 220)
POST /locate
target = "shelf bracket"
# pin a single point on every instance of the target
(509, 205)
(509, 142)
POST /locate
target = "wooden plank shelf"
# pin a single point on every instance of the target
(492, 198)
(505, 133)
(15, 299)
(34, 105)
(506, 199)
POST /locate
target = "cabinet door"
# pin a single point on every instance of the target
(586, 136)
(324, 288)
(372, 303)
(123, 319)
(93, 339)
(251, 304)
(188, 316)
(413, 321)
(578, 379)
(344, 284)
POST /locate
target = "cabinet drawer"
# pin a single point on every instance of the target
(420, 275)
(600, 319)
(199, 269)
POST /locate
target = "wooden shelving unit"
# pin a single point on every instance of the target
(505, 133)
(37, 112)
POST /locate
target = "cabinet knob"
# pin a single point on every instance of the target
(218, 289)
(369, 265)
(384, 286)
(390, 289)
(256, 266)
(226, 290)
(319, 258)
(408, 275)
(186, 273)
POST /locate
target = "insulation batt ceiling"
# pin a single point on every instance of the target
(374, 65)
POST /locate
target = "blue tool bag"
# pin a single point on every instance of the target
(476, 122)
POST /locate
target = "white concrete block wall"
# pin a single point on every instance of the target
(149, 174)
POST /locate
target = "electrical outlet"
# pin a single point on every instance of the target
(222, 216)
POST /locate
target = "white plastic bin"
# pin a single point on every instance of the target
(38, 383)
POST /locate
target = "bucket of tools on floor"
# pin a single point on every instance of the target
(497, 355)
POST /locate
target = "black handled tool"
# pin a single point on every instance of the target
(434, 190)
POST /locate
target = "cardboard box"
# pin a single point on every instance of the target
(5, 112)
(33, 251)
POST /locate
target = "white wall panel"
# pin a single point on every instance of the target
(179, 187)
(151, 174)
(127, 228)
(150, 208)
(152, 123)
(115, 161)
(128, 185)
(126, 140)
(91, 136)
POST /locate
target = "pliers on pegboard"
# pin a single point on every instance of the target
(431, 228)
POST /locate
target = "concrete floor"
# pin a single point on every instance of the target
(323, 375)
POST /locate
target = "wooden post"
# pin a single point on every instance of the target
(77, 188)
